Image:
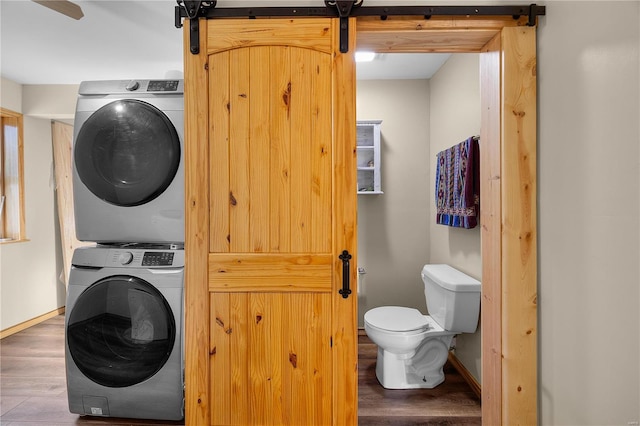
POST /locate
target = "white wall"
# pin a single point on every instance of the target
(10, 95)
(51, 101)
(455, 116)
(30, 271)
(589, 230)
(29, 277)
(393, 234)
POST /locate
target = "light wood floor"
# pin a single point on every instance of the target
(33, 388)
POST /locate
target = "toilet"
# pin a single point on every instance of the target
(412, 347)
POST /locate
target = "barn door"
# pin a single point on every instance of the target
(278, 178)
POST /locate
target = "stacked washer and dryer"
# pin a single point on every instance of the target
(124, 310)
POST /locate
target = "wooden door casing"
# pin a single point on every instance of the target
(508, 75)
(282, 346)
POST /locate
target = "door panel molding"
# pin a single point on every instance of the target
(298, 32)
(283, 273)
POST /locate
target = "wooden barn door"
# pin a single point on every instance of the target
(270, 105)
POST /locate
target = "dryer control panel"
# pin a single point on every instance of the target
(126, 257)
(131, 87)
(163, 86)
(157, 258)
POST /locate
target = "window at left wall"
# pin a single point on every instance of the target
(12, 223)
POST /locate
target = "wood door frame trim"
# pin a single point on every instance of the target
(509, 192)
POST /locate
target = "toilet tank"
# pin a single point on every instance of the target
(453, 298)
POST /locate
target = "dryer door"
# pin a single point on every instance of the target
(127, 152)
(121, 331)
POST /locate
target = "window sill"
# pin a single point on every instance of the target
(12, 241)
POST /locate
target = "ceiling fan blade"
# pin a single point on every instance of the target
(65, 7)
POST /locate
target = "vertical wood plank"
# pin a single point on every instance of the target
(308, 331)
(300, 150)
(220, 361)
(490, 220)
(279, 360)
(62, 136)
(322, 381)
(239, 178)
(259, 151)
(239, 344)
(196, 151)
(321, 155)
(301, 398)
(519, 227)
(259, 323)
(219, 152)
(280, 169)
(345, 324)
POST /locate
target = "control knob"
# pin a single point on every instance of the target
(132, 85)
(125, 258)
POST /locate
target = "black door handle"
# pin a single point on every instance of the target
(345, 291)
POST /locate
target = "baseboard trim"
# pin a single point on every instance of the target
(30, 323)
(466, 375)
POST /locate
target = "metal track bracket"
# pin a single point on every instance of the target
(192, 10)
(344, 8)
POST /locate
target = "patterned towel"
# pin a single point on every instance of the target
(458, 185)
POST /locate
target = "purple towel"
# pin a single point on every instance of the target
(458, 185)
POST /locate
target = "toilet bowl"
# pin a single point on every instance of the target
(412, 347)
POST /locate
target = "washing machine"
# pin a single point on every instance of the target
(124, 332)
(128, 166)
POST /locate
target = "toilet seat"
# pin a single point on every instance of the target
(397, 319)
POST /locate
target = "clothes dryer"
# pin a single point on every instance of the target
(128, 174)
(124, 349)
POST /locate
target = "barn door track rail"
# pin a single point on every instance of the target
(343, 9)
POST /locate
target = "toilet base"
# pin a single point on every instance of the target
(423, 370)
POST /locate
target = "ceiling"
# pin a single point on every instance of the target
(127, 39)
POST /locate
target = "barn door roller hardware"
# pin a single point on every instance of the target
(343, 9)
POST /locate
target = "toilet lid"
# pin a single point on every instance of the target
(396, 318)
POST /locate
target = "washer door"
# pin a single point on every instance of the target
(127, 152)
(121, 331)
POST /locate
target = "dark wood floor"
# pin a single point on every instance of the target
(33, 389)
(451, 403)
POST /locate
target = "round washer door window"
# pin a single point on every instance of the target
(121, 331)
(127, 152)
